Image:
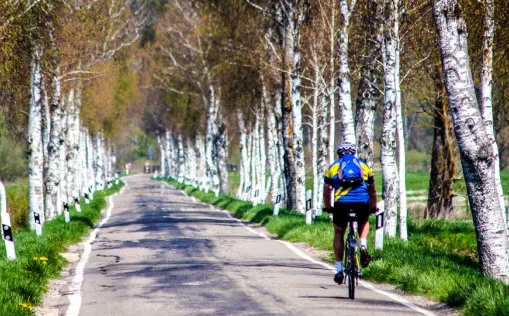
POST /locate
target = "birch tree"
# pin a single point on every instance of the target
(476, 150)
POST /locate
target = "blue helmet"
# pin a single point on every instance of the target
(346, 148)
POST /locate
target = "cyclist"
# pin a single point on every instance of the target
(359, 196)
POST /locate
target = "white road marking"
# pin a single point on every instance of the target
(367, 285)
(75, 288)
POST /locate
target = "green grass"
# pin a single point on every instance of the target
(439, 260)
(24, 280)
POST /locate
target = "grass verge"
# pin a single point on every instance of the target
(439, 260)
(24, 281)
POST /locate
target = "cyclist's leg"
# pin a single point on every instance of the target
(339, 242)
(362, 210)
(339, 222)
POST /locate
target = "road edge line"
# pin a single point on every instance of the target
(74, 296)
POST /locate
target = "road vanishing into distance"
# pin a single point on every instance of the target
(164, 253)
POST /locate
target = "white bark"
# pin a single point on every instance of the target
(401, 143)
(36, 160)
(57, 136)
(73, 146)
(162, 150)
(476, 150)
(181, 159)
(344, 85)
(170, 163)
(211, 133)
(99, 160)
(46, 132)
(263, 155)
(298, 140)
(90, 165)
(323, 143)
(332, 107)
(243, 154)
(200, 149)
(486, 93)
(388, 142)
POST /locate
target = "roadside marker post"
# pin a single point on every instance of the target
(117, 181)
(77, 204)
(246, 195)
(277, 202)
(67, 216)
(91, 193)
(38, 224)
(256, 194)
(6, 226)
(379, 235)
(87, 200)
(309, 207)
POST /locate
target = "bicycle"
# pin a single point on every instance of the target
(352, 264)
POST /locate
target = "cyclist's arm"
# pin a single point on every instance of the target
(327, 191)
(372, 195)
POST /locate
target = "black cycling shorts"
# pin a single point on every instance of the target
(341, 211)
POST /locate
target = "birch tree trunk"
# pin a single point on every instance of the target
(287, 115)
(169, 153)
(298, 140)
(401, 144)
(476, 150)
(36, 160)
(221, 146)
(317, 180)
(486, 93)
(181, 158)
(443, 166)
(56, 141)
(99, 161)
(263, 154)
(332, 88)
(323, 142)
(46, 132)
(211, 133)
(202, 165)
(162, 150)
(368, 94)
(243, 154)
(73, 141)
(344, 85)
(90, 165)
(388, 144)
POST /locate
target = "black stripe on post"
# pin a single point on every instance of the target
(76, 200)
(37, 218)
(308, 205)
(66, 207)
(257, 192)
(278, 199)
(380, 220)
(7, 232)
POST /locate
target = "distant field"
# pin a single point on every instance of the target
(415, 181)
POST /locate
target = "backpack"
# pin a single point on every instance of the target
(350, 171)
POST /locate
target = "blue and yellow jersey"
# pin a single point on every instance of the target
(349, 194)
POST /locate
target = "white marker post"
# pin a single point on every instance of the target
(91, 192)
(117, 181)
(77, 204)
(87, 199)
(246, 195)
(277, 202)
(256, 194)
(379, 235)
(38, 224)
(67, 216)
(309, 207)
(6, 226)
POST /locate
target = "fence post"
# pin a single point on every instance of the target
(277, 202)
(6, 226)
(379, 235)
(309, 207)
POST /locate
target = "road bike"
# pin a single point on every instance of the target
(352, 265)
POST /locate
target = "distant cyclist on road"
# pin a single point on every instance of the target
(353, 185)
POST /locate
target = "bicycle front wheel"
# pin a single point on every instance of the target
(351, 275)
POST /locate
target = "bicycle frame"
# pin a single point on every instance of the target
(352, 266)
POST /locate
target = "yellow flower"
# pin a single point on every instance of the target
(28, 306)
(35, 258)
(43, 258)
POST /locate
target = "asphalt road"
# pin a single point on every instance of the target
(162, 253)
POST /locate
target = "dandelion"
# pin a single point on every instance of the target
(27, 306)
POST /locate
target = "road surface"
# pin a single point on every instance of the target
(164, 253)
